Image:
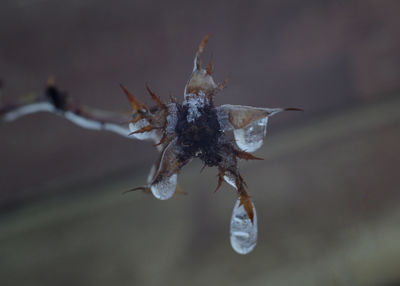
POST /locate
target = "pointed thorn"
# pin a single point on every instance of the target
(162, 140)
(179, 191)
(210, 66)
(293, 109)
(221, 175)
(202, 168)
(246, 156)
(248, 206)
(222, 85)
(145, 189)
(144, 129)
(155, 98)
(197, 61)
(136, 105)
(203, 44)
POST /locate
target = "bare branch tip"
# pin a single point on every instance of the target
(293, 109)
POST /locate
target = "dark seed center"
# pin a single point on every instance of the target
(199, 138)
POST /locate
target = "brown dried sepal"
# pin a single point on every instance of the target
(209, 69)
(155, 98)
(143, 129)
(162, 140)
(222, 85)
(179, 191)
(221, 175)
(200, 50)
(200, 82)
(136, 105)
(244, 197)
(201, 79)
(248, 206)
(168, 162)
(246, 155)
(241, 116)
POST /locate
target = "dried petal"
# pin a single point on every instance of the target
(240, 116)
(200, 81)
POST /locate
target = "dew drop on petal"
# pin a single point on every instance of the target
(243, 232)
(251, 137)
(165, 188)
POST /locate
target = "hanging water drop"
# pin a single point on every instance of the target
(165, 188)
(251, 137)
(243, 231)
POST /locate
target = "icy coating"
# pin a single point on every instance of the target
(230, 179)
(25, 110)
(150, 135)
(223, 119)
(243, 232)
(251, 137)
(194, 104)
(165, 188)
(172, 118)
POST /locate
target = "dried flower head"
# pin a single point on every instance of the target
(196, 128)
(193, 128)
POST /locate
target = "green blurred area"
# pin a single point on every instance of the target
(327, 197)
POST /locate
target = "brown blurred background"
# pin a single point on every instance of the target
(327, 193)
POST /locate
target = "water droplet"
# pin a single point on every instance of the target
(165, 188)
(251, 137)
(230, 179)
(243, 232)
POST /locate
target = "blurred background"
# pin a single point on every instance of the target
(327, 193)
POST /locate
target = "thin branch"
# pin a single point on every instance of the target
(61, 104)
